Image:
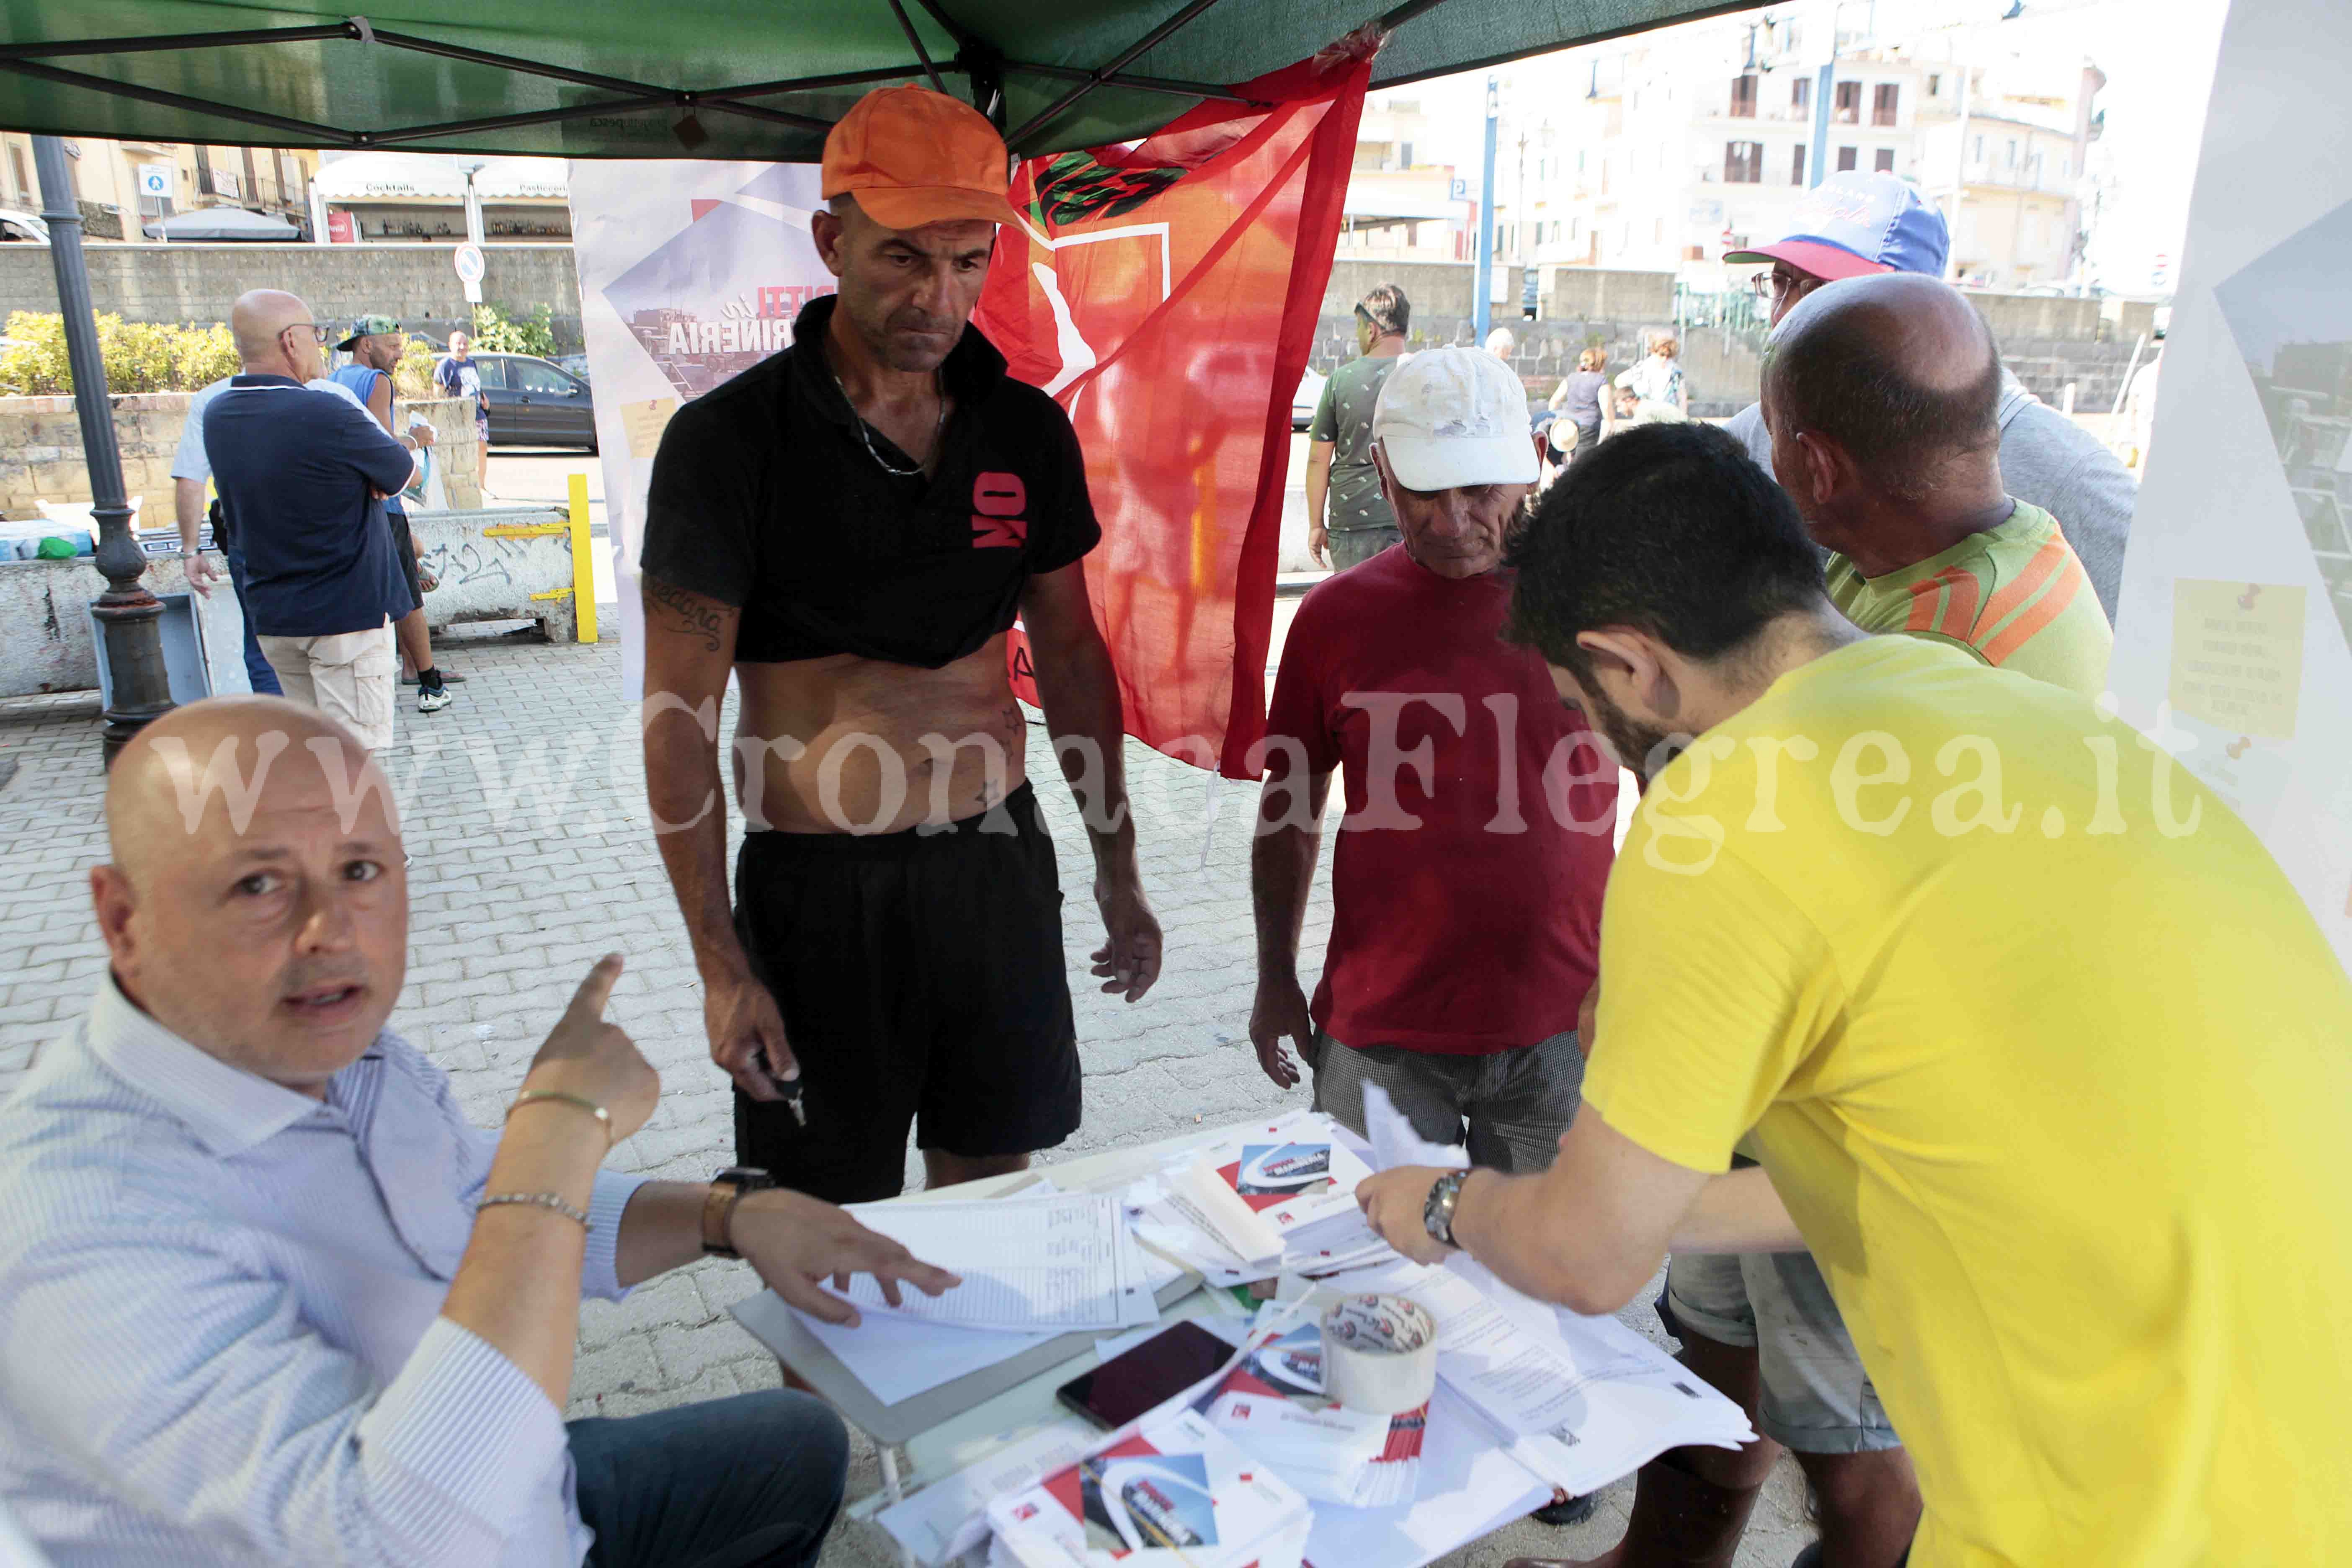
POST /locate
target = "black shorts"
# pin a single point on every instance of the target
(403, 546)
(920, 979)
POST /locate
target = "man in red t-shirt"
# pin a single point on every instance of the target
(1481, 813)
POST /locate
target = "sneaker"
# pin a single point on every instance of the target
(432, 698)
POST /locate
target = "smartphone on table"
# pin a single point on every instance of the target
(1162, 1366)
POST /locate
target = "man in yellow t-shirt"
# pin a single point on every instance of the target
(2044, 1054)
(1883, 396)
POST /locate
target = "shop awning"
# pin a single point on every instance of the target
(210, 224)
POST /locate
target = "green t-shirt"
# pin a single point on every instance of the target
(2016, 595)
(1344, 419)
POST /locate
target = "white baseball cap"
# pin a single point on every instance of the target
(1450, 417)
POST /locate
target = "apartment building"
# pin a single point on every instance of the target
(115, 201)
(1662, 151)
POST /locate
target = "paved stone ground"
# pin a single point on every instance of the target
(524, 808)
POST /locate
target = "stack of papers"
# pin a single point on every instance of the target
(1273, 1405)
(1060, 1264)
(1252, 1189)
(1166, 1493)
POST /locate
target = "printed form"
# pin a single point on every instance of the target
(1064, 1263)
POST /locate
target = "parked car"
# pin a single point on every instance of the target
(576, 364)
(533, 402)
(1303, 402)
(16, 225)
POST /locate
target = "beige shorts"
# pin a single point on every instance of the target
(355, 675)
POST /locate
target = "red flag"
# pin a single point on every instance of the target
(1170, 313)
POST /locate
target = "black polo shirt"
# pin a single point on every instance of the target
(297, 470)
(765, 497)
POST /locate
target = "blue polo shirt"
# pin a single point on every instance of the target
(297, 470)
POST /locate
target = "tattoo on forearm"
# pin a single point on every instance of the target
(687, 612)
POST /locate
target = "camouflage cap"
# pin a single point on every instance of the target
(368, 327)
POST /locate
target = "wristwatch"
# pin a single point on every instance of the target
(727, 1189)
(1437, 1211)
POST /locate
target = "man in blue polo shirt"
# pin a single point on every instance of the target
(302, 475)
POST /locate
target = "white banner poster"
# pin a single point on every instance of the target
(690, 273)
(2233, 636)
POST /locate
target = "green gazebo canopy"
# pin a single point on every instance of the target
(714, 78)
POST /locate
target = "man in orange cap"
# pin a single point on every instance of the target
(850, 527)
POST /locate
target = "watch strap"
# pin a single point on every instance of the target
(727, 1190)
(1437, 1214)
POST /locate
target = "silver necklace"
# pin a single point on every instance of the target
(865, 431)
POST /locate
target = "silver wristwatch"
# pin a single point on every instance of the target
(1437, 1211)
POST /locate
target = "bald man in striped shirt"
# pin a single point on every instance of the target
(1882, 397)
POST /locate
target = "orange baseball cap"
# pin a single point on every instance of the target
(912, 157)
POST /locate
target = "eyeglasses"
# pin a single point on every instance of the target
(318, 334)
(1775, 284)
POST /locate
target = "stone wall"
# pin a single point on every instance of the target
(199, 282)
(2038, 318)
(1442, 290)
(1722, 368)
(41, 451)
(2046, 341)
(1597, 291)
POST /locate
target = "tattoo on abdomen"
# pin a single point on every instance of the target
(688, 613)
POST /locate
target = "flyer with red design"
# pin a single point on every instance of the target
(1172, 1493)
(1256, 1186)
(1273, 1406)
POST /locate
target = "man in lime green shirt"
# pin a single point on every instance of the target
(1882, 395)
(2043, 1055)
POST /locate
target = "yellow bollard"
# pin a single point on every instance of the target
(584, 569)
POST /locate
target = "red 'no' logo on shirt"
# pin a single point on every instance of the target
(997, 502)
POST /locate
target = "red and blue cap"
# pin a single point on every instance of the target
(1851, 224)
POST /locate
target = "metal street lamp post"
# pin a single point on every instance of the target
(1481, 305)
(128, 617)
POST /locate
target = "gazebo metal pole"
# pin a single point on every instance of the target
(128, 617)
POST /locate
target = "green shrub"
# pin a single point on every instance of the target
(138, 356)
(496, 332)
(413, 376)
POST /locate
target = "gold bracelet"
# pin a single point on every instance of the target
(533, 1096)
(555, 1201)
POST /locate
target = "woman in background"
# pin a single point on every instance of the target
(1658, 378)
(1582, 400)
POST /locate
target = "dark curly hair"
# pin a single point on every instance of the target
(1671, 529)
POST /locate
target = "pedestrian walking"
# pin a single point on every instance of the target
(375, 345)
(457, 375)
(1348, 516)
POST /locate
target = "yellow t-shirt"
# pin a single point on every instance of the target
(2017, 594)
(2062, 1102)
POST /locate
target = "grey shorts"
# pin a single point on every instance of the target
(1354, 546)
(1509, 1108)
(1816, 1397)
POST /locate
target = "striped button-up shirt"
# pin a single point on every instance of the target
(220, 1330)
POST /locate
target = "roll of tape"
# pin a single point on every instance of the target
(1380, 1354)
